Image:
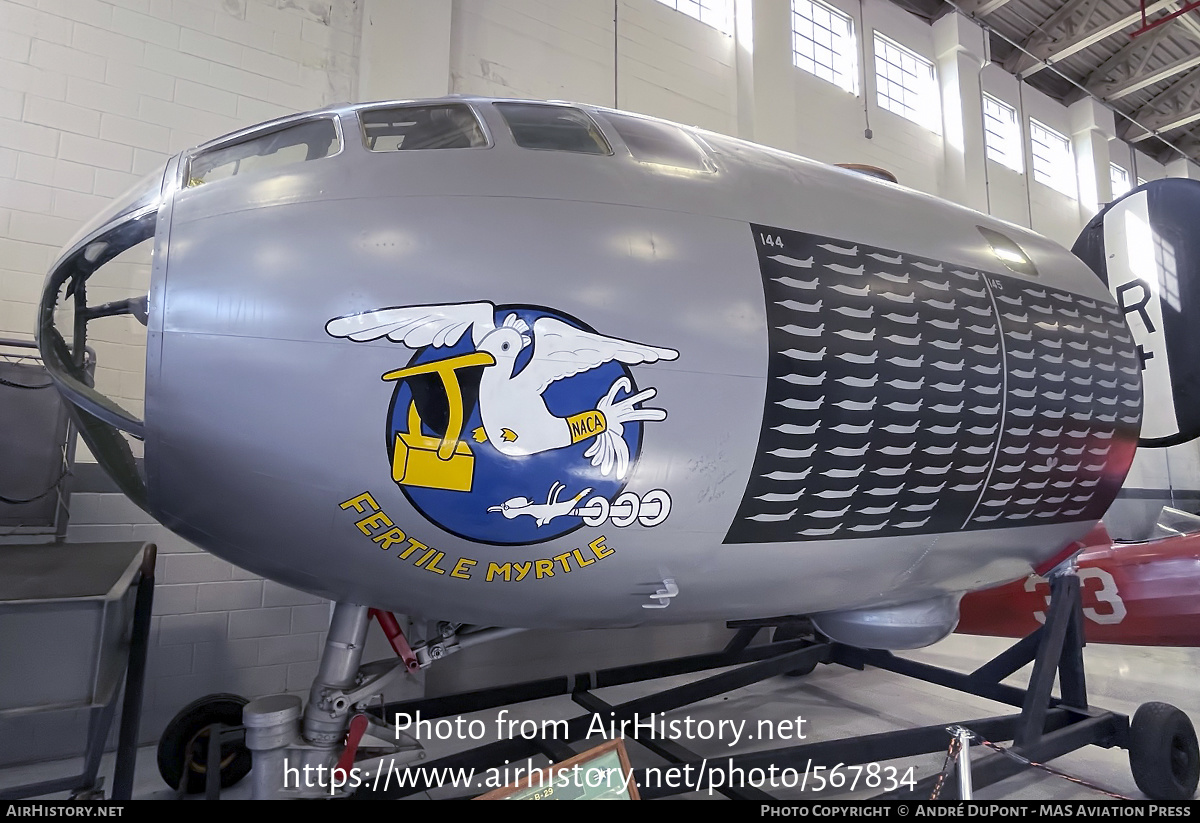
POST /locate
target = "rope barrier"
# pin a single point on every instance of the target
(953, 752)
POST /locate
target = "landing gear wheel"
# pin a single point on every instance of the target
(793, 632)
(183, 735)
(1163, 753)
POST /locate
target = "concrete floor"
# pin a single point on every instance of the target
(837, 702)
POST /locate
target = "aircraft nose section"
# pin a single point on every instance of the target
(91, 329)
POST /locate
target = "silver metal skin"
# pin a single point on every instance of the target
(272, 726)
(965, 791)
(325, 722)
(910, 625)
(289, 750)
(270, 434)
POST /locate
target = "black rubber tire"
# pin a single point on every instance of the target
(182, 732)
(786, 632)
(1163, 753)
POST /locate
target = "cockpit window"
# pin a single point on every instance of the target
(310, 140)
(663, 144)
(401, 128)
(552, 127)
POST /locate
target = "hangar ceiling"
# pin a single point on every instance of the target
(1150, 74)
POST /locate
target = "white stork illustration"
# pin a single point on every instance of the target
(515, 417)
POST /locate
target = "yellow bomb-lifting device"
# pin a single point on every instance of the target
(437, 463)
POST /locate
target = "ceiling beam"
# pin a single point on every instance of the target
(1165, 123)
(1109, 79)
(1189, 26)
(1141, 79)
(978, 8)
(1190, 145)
(1071, 29)
(1043, 37)
(1178, 105)
(1126, 71)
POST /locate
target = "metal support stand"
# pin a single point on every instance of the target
(135, 679)
(214, 735)
(964, 764)
(1046, 727)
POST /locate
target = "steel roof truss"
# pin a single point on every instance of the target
(1071, 29)
(1177, 106)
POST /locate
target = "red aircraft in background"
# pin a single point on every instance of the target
(1137, 594)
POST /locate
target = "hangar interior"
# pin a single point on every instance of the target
(94, 94)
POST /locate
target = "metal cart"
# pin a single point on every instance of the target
(74, 617)
(36, 451)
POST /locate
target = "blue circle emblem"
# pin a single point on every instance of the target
(506, 487)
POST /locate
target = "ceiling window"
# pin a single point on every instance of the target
(823, 43)
(715, 13)
(906, 84)
(1053, 164)
(1002, 133)
(1120, 180)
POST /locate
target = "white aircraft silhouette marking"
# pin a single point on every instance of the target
(542, 513)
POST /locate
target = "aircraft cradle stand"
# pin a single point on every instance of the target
(1162, 754)
(1161, 742)
(1045, 728)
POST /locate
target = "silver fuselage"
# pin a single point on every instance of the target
(270, 440)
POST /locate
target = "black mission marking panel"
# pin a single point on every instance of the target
(910, 396)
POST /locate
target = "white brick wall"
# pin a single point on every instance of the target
(669, 64)
(534, 48)
(674, 66)
(94, 94)
(215, 627)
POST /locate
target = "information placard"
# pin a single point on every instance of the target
(602, 773)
